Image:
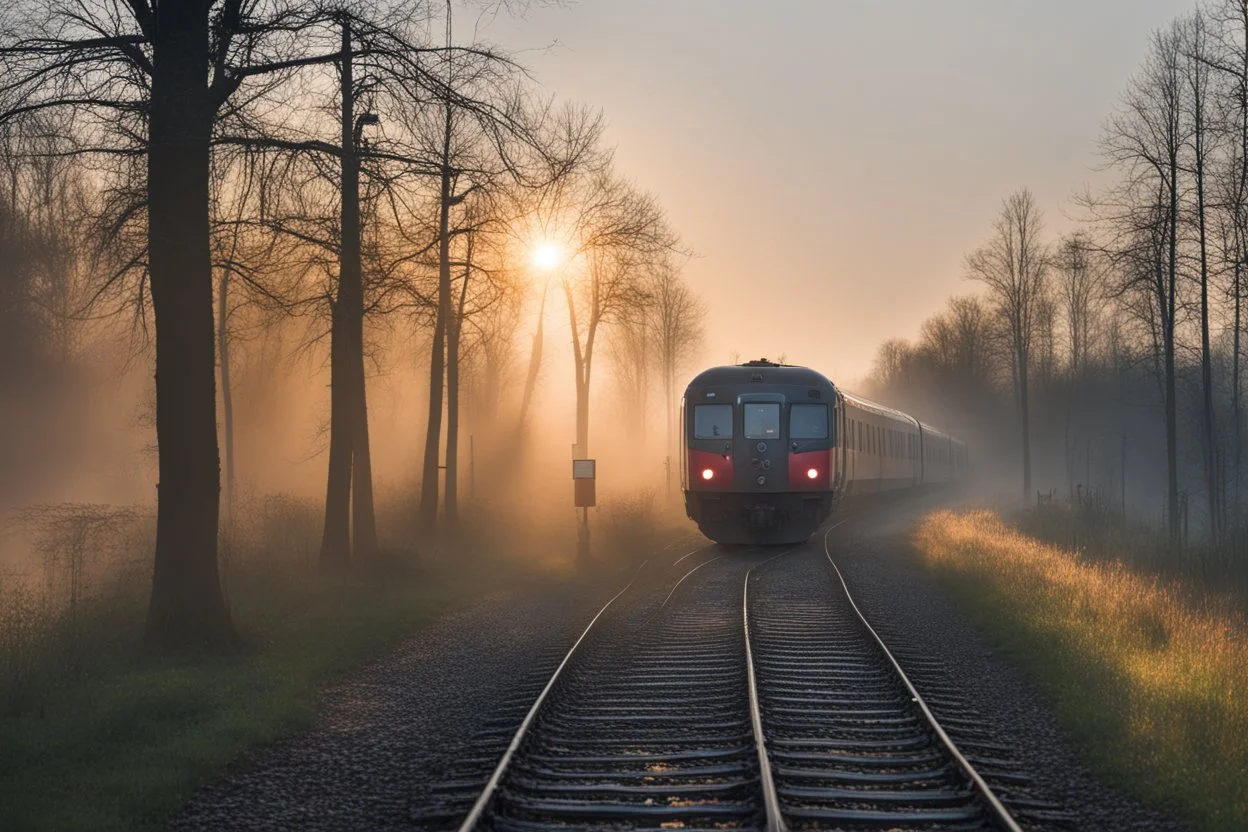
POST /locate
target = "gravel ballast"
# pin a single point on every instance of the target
(904, 601)
(385, 735)
(394, 727)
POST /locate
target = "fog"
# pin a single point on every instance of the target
(841, 156)
(808, 180)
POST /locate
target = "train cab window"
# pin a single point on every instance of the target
(808, 421)
(762, 420)
(712, 421)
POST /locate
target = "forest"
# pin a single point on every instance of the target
(252, 244)
(1106, 363)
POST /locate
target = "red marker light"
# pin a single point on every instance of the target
(707, 474)
(813, 473)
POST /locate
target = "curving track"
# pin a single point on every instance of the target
(734, 692)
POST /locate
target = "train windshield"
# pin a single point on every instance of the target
(762, 421)
(808, 421)
(712, 421)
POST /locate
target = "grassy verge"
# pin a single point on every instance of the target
(1150, 684)
(121, 742)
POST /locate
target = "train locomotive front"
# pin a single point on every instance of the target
(760, 462)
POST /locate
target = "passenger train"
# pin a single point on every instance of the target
(770, 450)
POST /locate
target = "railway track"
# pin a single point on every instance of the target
(741, 692)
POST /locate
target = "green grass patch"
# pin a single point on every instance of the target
(122, 740)
(1150, 683)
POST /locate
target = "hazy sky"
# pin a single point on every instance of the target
(832, 161)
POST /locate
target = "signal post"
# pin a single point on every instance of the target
(584, 476)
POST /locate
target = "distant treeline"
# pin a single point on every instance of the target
(1112, 355)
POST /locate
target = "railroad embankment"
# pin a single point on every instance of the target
(96, 733)
(1149, 679)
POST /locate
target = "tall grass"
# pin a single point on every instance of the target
(1096, 528)
(96, 734)
(1152, 683)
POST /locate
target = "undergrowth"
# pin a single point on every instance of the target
(1149, 680)
(96, 734)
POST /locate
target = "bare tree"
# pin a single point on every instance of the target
(1014, 266)
(678, 325)
(1144, 140)
(1197, 54)
(156, 84)
(622, 232)
(1079, 273)
(890, 362)
(1230, 61)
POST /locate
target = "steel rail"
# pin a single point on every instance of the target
(997, 808)
(691, 554)
(676, 586)
(771, 800)
(491, 786)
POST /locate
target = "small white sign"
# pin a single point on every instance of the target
(583, 469)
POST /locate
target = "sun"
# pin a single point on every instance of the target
(547, 256)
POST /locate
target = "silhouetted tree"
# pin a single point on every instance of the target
(1197, 55)
(1144, 141)
(154, 81)
(1014, 265)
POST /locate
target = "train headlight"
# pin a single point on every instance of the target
(813, 474)
(708, 474)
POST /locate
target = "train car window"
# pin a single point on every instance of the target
(808, 421)
(762, 420)
(712, 421)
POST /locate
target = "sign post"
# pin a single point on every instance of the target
(584, 474)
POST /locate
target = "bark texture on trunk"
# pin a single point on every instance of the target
(187, 608)
(344, 328)
(1206, 358)
(452, 394)
(1172, 431)
(437, 361)
(227, 395)
(1025, 406)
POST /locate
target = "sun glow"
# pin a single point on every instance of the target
(547, 256)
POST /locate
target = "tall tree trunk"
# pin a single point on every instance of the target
(363, 512)
(582, 414)
(227, 393)
(452, 394)
(535, 362)
(669, 421)
(187, 608)
(336, 534)
(1206, 356)
(1236, 416)
(1172, 431)
(582, 358)
(437, 364)
(1024, 403)
(343, 368)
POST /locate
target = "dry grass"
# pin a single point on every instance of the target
(1152, 684)
(96, 734)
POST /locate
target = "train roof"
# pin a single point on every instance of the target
(875, 407)
(761, 371)
(768, 372)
